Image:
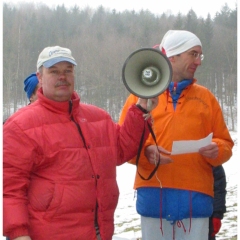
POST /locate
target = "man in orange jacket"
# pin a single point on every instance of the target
(177, 201)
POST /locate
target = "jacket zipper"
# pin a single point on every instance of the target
(78, 126)
(84, 142)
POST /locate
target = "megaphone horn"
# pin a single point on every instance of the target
(147, 73)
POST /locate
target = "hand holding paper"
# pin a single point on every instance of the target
(190, 146)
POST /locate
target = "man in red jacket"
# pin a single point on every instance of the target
(60, 158)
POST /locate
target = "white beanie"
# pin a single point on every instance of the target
(178, 41)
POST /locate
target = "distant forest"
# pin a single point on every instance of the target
(101, 40)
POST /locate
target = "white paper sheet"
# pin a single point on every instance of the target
(190, 146)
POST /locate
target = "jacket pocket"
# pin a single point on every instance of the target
(45, 197)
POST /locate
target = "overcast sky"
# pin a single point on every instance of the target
(201, 8)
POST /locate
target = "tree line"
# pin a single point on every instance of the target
(101, 40)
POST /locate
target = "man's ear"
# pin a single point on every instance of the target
(31, 99)
(39, 76)
(172, 59)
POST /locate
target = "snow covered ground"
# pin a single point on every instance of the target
(127, 221)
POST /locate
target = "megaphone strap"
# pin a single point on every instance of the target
(146, 112)
(142, 109)
(140, 149)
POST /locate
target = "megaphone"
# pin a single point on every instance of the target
(147, 73)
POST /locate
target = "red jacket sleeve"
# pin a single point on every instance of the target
(15, 191)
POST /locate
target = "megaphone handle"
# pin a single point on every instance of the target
(149, 105)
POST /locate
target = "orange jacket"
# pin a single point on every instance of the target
(197, 114)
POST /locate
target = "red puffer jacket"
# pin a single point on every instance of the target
(60, 162)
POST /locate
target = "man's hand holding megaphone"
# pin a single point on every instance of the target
(147, 105)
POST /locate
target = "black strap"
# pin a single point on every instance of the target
(139, 152)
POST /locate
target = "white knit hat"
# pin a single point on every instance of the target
(178, 41)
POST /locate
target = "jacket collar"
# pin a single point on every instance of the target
(59, 107)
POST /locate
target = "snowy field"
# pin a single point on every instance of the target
(127, 221)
